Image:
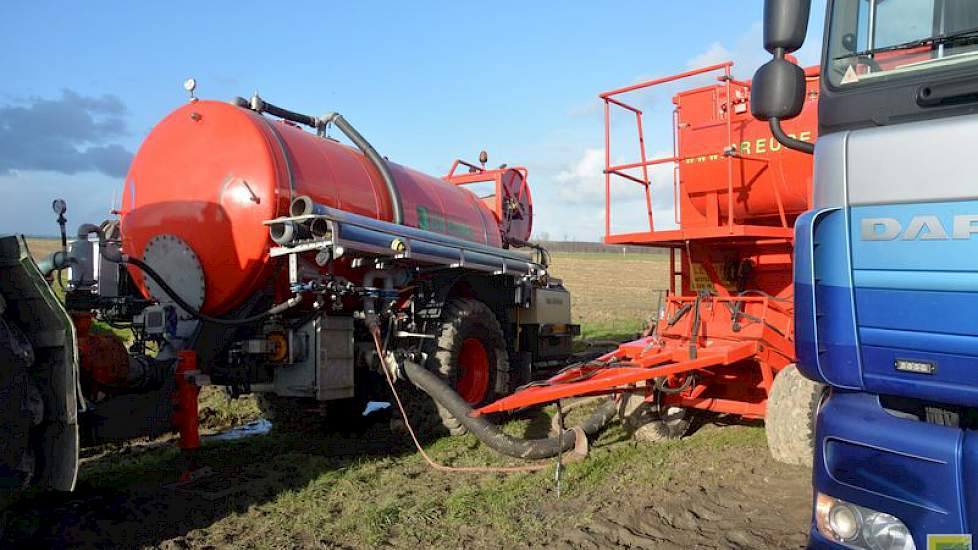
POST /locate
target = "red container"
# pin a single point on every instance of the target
(210, 173)
(768, 180)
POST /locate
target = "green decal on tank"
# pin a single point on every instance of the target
(433, 222)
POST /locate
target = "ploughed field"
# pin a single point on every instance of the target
(716, 488)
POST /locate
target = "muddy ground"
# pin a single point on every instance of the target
(714, 489)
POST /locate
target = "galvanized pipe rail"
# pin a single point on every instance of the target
(346, 232)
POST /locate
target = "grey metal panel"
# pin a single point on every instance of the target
(928, 161)
(298, 379)
(830, 171)
(548, 306)
(335, 358)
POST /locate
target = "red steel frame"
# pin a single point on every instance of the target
(501, 200)
(619, 170)
(716, 345)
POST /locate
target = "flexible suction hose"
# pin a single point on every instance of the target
(489, 433)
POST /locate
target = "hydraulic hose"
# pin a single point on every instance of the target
(145, 268)
(490, 434)
(113, 254)
(695, 332)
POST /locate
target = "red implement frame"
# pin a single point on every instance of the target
(510, 201)
(727, 329)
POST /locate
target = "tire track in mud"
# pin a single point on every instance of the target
(754, 503)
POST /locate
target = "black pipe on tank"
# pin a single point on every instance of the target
(259, 105)
(378, 161)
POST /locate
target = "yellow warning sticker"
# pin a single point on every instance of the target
(700, 280)
(948, 542)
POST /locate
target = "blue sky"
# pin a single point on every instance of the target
(84, 82)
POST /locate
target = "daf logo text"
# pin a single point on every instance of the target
(924, 228)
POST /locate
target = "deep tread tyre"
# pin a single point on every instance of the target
(790, 419)
(21, 409)
(462, 321)
(652, 423)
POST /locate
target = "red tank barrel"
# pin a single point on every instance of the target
(210, 173)
(767, 180)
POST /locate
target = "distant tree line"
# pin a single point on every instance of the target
(597, 248)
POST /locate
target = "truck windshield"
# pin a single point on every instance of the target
(877, 40)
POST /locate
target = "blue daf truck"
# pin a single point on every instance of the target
(886, 267)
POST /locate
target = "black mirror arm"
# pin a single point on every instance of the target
(788, 141)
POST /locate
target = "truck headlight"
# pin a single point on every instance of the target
(859, 527)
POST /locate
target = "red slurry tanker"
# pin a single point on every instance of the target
(254, 251)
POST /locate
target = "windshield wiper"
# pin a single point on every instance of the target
(934, 40)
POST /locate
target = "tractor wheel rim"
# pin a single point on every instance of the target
(473, 379)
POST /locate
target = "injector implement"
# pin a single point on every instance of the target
(722, 340)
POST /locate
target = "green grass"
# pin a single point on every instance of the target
(617, 329)
(512, 507)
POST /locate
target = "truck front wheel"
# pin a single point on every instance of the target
(790, 419)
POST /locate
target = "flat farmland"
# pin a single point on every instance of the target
(41, 247)
(612, 294)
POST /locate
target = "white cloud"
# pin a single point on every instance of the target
(716, 53)
(577, 207)
(747, 53)
(582, 180)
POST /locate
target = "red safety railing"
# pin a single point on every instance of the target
(644, 163)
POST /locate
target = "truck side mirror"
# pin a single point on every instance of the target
(778, 90)
(785, 24)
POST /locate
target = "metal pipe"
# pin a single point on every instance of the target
(287, 232)
(607, 169)
(679, 76)
(366, 222)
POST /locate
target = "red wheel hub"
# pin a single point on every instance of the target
(473, 377)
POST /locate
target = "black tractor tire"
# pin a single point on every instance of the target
(21, 410)
(790, 419)
(652, 422)
(462, 319)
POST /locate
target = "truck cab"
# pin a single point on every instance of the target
(886, 267)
